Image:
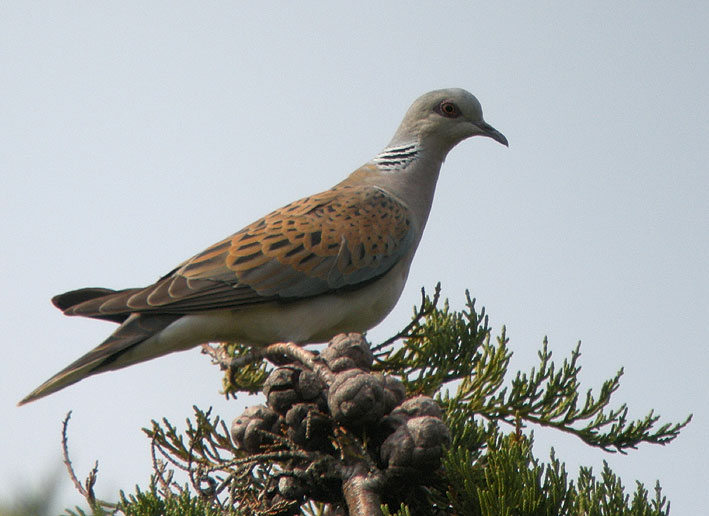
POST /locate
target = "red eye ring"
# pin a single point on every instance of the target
(448, 109)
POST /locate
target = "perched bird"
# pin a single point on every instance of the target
(333, 262)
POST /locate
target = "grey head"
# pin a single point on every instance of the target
(440, 119)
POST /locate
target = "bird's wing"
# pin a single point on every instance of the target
(341, 238)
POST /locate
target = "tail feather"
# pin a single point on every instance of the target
(74, 297)
(109, 355)
(87, 302)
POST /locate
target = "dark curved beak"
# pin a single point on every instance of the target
(493, 133)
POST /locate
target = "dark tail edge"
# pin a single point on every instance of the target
(68, 300)
(74, 297)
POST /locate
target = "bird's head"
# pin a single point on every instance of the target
(444, 118)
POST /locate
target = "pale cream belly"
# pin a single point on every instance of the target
(313, 320)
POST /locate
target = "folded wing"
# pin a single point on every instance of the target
(341, 238)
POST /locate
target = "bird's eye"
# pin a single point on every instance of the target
(448, 109)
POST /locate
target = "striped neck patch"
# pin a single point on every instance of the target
(396, 158)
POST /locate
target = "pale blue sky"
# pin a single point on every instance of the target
(134, 135)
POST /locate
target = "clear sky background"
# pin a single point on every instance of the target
(133, 135)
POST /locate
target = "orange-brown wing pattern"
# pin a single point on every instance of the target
(335, 239)
(339, 238)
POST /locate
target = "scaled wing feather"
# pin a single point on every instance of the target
(338, 239)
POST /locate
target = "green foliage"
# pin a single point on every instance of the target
(510, 481)
(205, 441)
(153, 503)
(439, 346)
(488, 469)
(606, 496)
(403, 511)
(442, 346)
(216, 468)
(183, 504)
(247, 378)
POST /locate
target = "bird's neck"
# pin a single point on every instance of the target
(397, 157)
(409, 170)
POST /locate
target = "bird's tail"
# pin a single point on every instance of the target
(113, 353)
(92, 302)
